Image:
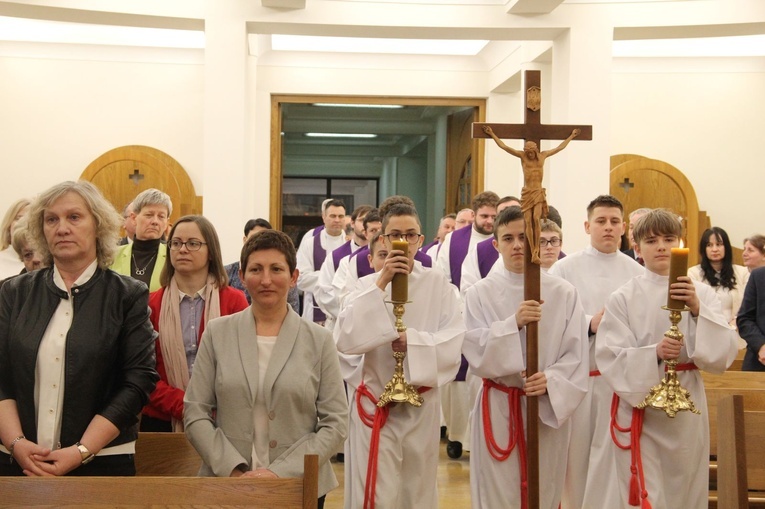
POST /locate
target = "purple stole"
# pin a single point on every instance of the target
(319, 255)
(458, 248)
(427, 247)
(340, 253)
(362, 264)
(487, 255)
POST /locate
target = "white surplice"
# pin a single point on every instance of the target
(324, 294)
(675, 451)
(496, 349)
(596, 276)
(309, 275)
(408, 450)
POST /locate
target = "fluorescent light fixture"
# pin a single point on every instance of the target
(737, 46)
(34, 30)
(354, 105)
(371, 45)
(340, 135)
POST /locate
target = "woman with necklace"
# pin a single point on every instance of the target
(718, 271)
(194, 290)
(145, 257)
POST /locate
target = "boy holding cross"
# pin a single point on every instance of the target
(495, 347)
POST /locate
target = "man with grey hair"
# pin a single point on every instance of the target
(145, 257)
(633, 218)
(128, 225)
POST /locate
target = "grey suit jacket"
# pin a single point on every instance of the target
(304, 393)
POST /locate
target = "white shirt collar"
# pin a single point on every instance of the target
(84, 277)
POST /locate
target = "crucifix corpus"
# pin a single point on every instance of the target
(534, 205)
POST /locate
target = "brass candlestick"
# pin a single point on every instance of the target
(398, 390)
(669, 395)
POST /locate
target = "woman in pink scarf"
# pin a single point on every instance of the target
(194, 291)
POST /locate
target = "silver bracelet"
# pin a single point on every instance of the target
(13, 444)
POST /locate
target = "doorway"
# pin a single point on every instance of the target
(419, 147)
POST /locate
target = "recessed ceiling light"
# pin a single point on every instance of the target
(340, 135)
(354, 105)
(372, 45)
(35, 30)
(737, 46)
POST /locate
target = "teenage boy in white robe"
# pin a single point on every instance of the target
(596, 272)
(402, 474)
(670, 457)
(495, 346)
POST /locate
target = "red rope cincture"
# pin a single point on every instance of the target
(515, 427)
(638, 495)
(595, 373)
(375, 421)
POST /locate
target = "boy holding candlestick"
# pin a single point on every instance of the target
(495, 346)
(391, 453)
(661, 461)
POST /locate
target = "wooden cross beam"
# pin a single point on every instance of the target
(532, 131)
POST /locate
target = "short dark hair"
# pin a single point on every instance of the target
(269, 239)
(485, 199)
(256, 223)
(216, 268)
(508, 215)
(333, 203)
(506, 199)
(374, 241)
(604, 200)
(554, 216)
(657, 222)
(394, 200)
(373, 216)
(400, 210)
(361, 210)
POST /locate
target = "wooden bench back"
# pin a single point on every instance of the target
(741, 453)
(749, 384)
(166, 454)
(156, 492)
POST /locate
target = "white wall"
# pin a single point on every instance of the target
(58, 115)
(711, 126)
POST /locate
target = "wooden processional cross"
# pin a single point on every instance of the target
(532, 130)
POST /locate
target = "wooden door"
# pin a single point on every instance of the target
(642, 182)
(124, 172)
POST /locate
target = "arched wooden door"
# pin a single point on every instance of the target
(642, 182)
(123, 172)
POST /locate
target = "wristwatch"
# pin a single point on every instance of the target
(86, 455)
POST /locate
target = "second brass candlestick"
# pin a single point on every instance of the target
(669, 395)
(398, 390)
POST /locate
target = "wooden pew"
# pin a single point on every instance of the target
(741, 454)
(750, 385)
(158, 492)
(166, 454)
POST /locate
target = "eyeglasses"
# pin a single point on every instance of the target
(411, 238)
(191, 245)
(554, 242)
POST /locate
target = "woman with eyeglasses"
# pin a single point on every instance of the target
(194, 290)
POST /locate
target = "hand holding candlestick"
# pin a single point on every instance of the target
(669, 395)
(398, 390)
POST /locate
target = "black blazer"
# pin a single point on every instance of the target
(751, 320)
